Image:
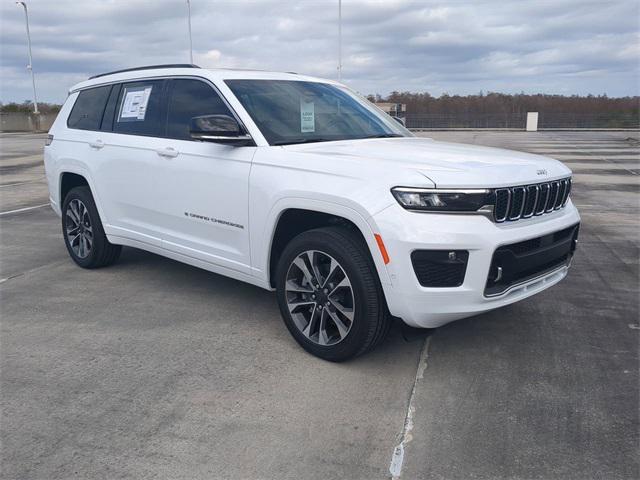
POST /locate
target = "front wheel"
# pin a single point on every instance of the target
(329, 294)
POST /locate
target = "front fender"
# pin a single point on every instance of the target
(261, 251)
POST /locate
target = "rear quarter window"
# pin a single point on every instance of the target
(87, 112)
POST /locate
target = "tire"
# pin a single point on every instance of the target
(363, 314)
(86, 242)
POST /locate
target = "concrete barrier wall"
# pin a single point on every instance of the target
(25, 122)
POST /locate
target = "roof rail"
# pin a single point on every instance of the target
(147, 67)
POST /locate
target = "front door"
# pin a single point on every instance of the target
(202, 187)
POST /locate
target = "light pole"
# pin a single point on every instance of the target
(339, 40)
(30, 66)
(190, 40)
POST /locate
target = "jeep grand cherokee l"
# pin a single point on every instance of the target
(299, 185)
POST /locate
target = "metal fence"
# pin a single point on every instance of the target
(588, 120)
(517, 121)
(452, 121)
(19, 121)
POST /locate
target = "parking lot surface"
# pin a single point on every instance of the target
(152, 368)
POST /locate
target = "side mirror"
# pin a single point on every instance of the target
(399, 120)
(219, 129)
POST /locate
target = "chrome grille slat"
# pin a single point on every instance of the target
(544, 198)
(517, 202)
(558, 202)
(553, 196)
(567, 192)
(531, 200)
(563, 184)
(501, 213)
(525, 201)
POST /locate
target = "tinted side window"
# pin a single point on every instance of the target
(110, 109)
(139, 109)
(188, 99)
(86, 113)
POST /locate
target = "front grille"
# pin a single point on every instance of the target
(440, 268)
(514, 203)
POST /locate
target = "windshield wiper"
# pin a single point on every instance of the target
(301, 140)
(313, 140)
(384, 135)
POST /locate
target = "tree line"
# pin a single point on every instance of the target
(490, 103)
(27, 107)
(502, 103)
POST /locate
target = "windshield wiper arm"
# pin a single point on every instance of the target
(300, 140)
(384, 135)
(314, 140)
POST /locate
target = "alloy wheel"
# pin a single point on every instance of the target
(320, 297)
(78, 228)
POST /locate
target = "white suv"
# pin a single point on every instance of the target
(299, 185)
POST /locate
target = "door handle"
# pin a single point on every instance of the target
(168, 152)
(97, 144)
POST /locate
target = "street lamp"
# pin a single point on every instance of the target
(339, 40)
(190, 40)
(30, 66)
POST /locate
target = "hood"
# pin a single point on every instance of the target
(444, 164)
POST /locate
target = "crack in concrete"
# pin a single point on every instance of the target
(32, 270)
(397, 458)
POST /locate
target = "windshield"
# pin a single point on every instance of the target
(288, 112)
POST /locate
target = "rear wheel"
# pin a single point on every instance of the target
(329, 294)
(83, 234)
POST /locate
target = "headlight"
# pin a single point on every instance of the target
(436, 200)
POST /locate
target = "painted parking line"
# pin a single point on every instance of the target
(25, 209)
(22, 183)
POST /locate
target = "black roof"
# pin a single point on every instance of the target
(148, 67)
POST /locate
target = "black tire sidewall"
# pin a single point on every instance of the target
(367, 307)
(99, 239)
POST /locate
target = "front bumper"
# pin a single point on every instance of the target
(404, 232)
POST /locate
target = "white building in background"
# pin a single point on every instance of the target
(393, 109)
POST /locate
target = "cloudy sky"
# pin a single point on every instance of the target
(556, 46)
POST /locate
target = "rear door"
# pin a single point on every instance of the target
(202, 191)
(130, 149)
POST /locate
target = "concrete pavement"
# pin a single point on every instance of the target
(152, 368)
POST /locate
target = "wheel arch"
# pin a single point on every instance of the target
(68, 181)
(75, 176)
(291, 220)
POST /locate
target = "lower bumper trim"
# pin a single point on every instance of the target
(522, 262)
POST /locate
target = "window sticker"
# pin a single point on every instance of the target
(134, 104)
(307, 117)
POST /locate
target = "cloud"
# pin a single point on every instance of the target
(554, 46)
